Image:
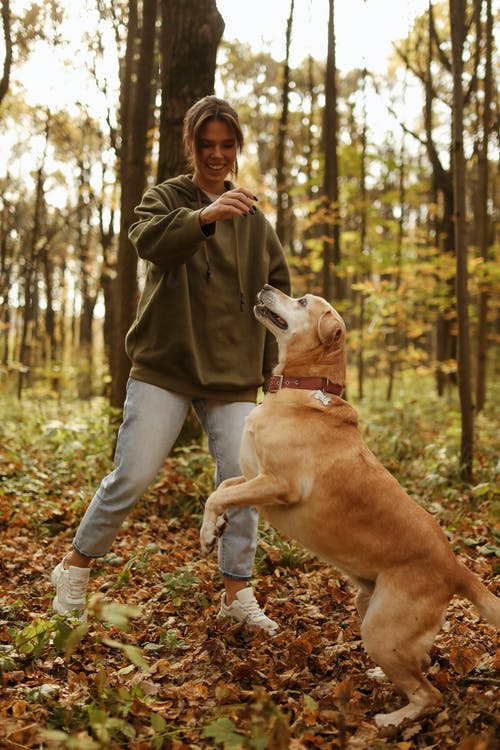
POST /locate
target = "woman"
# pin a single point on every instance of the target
(194, 343)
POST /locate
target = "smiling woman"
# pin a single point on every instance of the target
(208, 251)
(212, 143)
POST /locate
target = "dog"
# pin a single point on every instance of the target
(306, 467)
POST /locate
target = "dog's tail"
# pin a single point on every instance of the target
(470, 587)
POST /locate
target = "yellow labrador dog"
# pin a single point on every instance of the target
(307, 468)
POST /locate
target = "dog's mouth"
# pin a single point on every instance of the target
(265, 312)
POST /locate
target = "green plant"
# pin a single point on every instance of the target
(275, 550)
(262, 725)
(196, 465)
(140, 561)
(162, 731)
(178, 582)
(46, 453)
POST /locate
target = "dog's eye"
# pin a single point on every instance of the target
(302, 301)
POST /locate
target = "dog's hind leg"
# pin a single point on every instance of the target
(362, 600)
(398, 631)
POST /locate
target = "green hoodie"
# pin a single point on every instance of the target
(195, 332)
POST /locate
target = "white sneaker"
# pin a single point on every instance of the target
(245, 610)
(71, 586)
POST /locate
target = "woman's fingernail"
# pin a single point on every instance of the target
(255, 198)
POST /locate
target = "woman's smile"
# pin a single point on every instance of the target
(215, 156)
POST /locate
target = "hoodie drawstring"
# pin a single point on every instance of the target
(208, 271)
(238, 268)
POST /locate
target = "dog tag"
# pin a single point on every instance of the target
(325, 400)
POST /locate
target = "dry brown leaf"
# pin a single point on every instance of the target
(465, 659)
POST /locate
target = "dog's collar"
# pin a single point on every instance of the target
(277, 382)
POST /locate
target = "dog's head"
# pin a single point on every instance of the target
(308, 329)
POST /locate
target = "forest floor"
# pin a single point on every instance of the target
(154, 668)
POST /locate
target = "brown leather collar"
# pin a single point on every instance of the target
(312, 384)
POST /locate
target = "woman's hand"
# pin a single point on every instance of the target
(236, 202)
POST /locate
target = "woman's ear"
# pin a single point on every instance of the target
(330, 329)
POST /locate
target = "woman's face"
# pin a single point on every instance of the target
(216, 154)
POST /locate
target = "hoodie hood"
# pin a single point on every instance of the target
(186, 188)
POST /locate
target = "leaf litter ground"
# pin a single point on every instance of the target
(154, 667)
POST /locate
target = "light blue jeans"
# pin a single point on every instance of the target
(152, 421)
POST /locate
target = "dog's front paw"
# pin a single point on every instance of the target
(210, 532)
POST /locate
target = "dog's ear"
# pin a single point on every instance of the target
(330, 330)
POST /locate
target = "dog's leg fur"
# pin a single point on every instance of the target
(261, 490)
(362, 601)
(398, 631)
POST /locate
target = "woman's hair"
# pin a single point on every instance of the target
(202, 111)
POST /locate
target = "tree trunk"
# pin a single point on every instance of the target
(7, 63)
(283, 208)
(442, 181)
(483, 221)
(190, 34)
(47, 266)
(6, 263)
(84, 240)
(362, 236)
(107, 236)
(395, 342)
(331, 247)
(312, 228)
(360, 358)
(457, 21)
(31, 270)
(310, 130)
(136, 114)
(88, 294)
